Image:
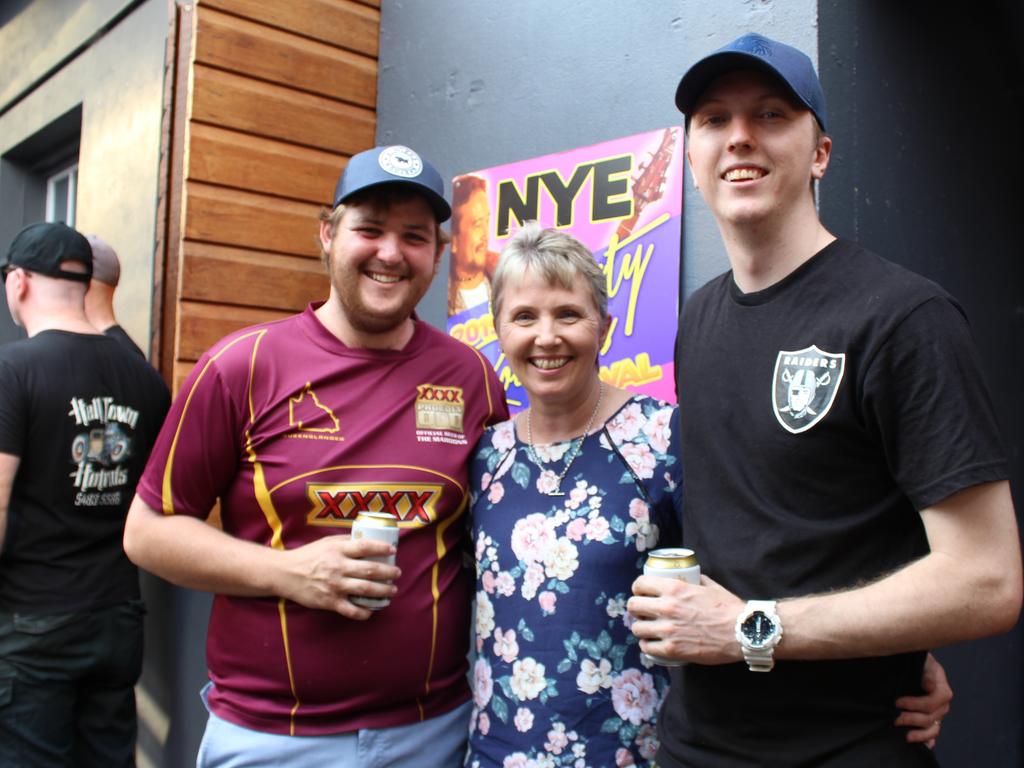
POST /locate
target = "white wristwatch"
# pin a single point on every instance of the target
(758, 631)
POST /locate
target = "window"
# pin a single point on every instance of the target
(38, 182)
(61, 188)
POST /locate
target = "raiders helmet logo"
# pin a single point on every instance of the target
(804, 386)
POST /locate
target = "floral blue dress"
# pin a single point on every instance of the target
(558, 678)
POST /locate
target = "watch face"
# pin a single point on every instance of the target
(758, 629)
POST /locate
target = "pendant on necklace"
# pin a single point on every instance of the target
(574, 450)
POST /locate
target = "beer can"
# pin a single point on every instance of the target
(672, 563)
(378, 526)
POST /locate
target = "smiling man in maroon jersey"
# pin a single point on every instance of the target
(297, 426)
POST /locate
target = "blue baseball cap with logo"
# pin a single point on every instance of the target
(395, 164)
(791, 66)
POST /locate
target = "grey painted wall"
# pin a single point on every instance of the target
(59, 26)
(477, 84)
(118, 83)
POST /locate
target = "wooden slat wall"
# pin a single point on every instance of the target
(271, 100)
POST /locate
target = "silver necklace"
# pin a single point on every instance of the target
(574, 450)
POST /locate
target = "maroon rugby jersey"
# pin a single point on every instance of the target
(296, 433)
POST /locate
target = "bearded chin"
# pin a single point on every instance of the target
(367, 321)
(366, 317)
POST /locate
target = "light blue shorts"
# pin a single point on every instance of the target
(439, 742)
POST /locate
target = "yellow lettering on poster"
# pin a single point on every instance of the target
(630, 269)
(476, 332)
(631, 372)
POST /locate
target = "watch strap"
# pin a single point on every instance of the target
(759, 659)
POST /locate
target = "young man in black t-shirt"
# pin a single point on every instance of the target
(846, 490)
(78, 416)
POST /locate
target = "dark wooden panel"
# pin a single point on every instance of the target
(280, 94)
(233, 276)
(273, 111)
(233, 159)
(181, 371)
(243, 219)
(262, 52)
(350, 25)
(200, 326)
(177, 58)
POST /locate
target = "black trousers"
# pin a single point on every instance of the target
(67, 687)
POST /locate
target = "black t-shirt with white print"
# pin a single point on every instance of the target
(81, 412)
(818, 417)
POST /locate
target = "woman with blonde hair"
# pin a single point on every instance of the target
(568, 497)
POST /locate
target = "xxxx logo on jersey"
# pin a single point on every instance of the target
(338, 504)
(439, 407)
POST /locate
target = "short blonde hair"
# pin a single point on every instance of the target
(557, 257)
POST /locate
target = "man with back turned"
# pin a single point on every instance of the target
(78, 415)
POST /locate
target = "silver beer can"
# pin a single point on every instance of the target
(378, 526)
(672, 563)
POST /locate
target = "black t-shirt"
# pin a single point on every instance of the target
(819, 416)
(81, 412)
(118, 333)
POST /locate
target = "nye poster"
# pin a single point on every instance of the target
(623, 200)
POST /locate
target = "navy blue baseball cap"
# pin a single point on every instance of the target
(792, 67)
(393, 165)
(44, 247)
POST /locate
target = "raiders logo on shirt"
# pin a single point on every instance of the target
(805, 385)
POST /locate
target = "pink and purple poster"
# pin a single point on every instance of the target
(623, 200)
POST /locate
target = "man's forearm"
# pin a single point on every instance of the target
(8, 471)
(969, 586)
(191, 553)
(322, 574)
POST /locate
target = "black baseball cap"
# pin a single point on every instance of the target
(394, 164)
(791, 66)
(45, 246)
